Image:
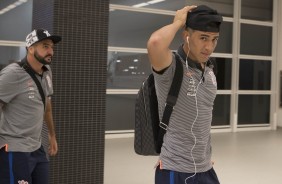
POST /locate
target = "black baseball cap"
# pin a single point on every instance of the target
(203, 18)
(40, 34)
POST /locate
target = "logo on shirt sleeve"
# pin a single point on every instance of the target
(213, 78)
(49, 82)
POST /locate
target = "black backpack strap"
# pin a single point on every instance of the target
(29, 70)
(173, 93)
(171, 99)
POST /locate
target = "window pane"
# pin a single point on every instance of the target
(254, 74)
(221, 111)
(16, 23)
(257, 10)
(127, 70)
(11, 54)
(225, 38)
(118, 118)
(136, 30)
(224, 70)
(256, 40)
(224, 7)
(132, 29)
(253, 109)
(165, 5)
(120, 110)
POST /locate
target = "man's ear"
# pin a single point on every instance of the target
(30, 49)
(185, 34)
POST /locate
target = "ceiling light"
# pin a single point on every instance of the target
(155, 1)
(140, 5)
(18, 3)
(147, 3)
(12, 6)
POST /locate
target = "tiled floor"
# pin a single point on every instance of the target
(240, 158)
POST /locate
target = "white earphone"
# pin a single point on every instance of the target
(187, 38)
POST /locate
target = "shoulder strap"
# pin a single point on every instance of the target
(170, 102)
(27, 68)
(173, 93)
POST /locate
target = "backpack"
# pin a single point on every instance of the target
(149, 130)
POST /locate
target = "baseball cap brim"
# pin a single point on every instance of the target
(54, 38)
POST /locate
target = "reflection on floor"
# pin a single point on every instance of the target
(240, 158)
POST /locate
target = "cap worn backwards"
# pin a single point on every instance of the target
(38, 35)
(204, 19)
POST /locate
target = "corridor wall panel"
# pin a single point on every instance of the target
(79, 77)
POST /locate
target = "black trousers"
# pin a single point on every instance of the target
(24, 167)
(163, 176)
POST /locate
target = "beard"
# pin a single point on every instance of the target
(42, 60)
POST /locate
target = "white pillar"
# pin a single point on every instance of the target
(279, 61)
